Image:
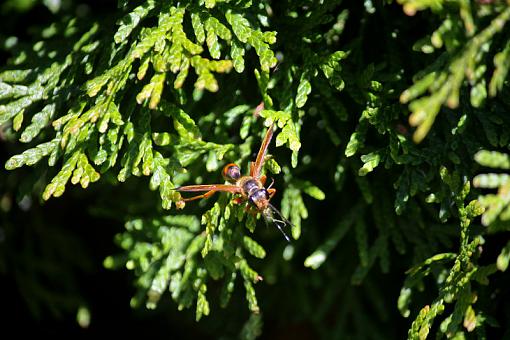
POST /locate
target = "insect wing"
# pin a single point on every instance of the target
(210, 187)
(257, 167)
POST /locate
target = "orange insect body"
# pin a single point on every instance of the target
(251, 188)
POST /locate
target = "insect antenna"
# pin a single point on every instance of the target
(282, 222)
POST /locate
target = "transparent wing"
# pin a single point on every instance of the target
(257, 167)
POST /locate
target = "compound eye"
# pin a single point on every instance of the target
(231, 172)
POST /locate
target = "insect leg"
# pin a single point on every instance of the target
(238, 200)
(207, 194)
(270, 185)
(281, 230)
(262, 179)
(252, 168)
(271, 191)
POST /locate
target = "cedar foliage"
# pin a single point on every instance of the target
(390, 159)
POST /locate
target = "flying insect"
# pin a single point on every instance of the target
(250, 188)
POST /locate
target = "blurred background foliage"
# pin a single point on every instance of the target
(390, 159)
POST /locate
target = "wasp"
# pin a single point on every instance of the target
(250, 188)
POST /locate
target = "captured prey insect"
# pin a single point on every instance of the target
(251, 188)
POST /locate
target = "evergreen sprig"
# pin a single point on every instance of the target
(171, 253)
(462, 63)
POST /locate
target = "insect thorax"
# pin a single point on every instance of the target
(250, 186)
